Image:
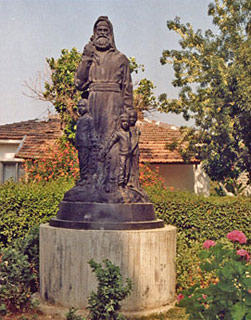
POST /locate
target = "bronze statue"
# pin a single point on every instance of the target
(108, 194)
(123, 137)
(85, 141)
(135, 134)
(105, 73)
(104, 77)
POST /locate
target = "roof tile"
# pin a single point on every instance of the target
(40, 134)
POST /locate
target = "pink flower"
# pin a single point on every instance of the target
(243, 253)
(180, 297)
(237, 235)
(208, 243)
(204, 296)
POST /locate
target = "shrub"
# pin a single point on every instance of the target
(150, 178)
(61, 161)
(16, 277)
(105, 304)
(19, 273)
(24, 205)
(29, 247)
(71, 315)
(228, 294)
(197, 219)
(200, 218)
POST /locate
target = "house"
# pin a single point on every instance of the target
(176, 173)
(24, 140)
(29, 140)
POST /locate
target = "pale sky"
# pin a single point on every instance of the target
(31, 30)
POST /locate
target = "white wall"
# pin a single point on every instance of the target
(201, 181)
(10, 167)
(187, 177)
(179, 176)
(8, 150)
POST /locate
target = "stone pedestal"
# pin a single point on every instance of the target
(145, 256)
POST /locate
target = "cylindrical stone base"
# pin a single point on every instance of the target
(145, 256)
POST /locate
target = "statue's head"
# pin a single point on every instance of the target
(103, 34)
(82, 107)
(124, 121)
(133, 117)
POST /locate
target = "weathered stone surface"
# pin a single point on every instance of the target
(145, 256)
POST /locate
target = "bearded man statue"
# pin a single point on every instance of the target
(105, 74)
(104, 78)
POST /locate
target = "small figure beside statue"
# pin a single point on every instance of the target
(93, 153)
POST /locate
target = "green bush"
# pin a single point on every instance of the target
(105, 303)
(29, 247)
(71, 315)
(228, 296)
(19, 273)
(197, 219)
(24, 205)
(200, 218)
(16, 277)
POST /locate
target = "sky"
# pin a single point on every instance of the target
(32, 30)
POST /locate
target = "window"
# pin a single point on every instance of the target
(10, 170)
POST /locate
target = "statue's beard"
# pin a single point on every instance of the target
(102, 42)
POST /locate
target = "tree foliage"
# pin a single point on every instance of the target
(61, 91)
(213, 72)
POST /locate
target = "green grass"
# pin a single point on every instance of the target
(172, 314)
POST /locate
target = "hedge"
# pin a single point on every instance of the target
(24, 205)
(197, 218)
(200, 218)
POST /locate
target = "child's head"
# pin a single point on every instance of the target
(83, 106)
(124, 121)
(133, 117)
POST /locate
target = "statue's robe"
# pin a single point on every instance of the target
(106, 77)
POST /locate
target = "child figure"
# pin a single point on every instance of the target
(135, 133)
(123, 137)
(85, 140)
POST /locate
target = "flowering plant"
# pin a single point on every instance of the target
(228, 296)
(150, 177)
(60, 160)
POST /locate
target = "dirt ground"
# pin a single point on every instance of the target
(46, 311)
(33, 316)
(173, 314)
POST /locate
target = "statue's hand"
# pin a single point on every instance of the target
(89, 50)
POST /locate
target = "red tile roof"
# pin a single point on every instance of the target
(153, 141)
(39, 134)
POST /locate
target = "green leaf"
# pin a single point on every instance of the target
(247, 282)
(248, 299)
(226, 286)
(204, 254)
(238, 311)
(248, 316)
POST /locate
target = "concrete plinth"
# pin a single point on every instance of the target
(145, 256)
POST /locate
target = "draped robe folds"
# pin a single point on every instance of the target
(106, 77)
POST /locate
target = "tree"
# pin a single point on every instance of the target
(213, 72)
(61, 91)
